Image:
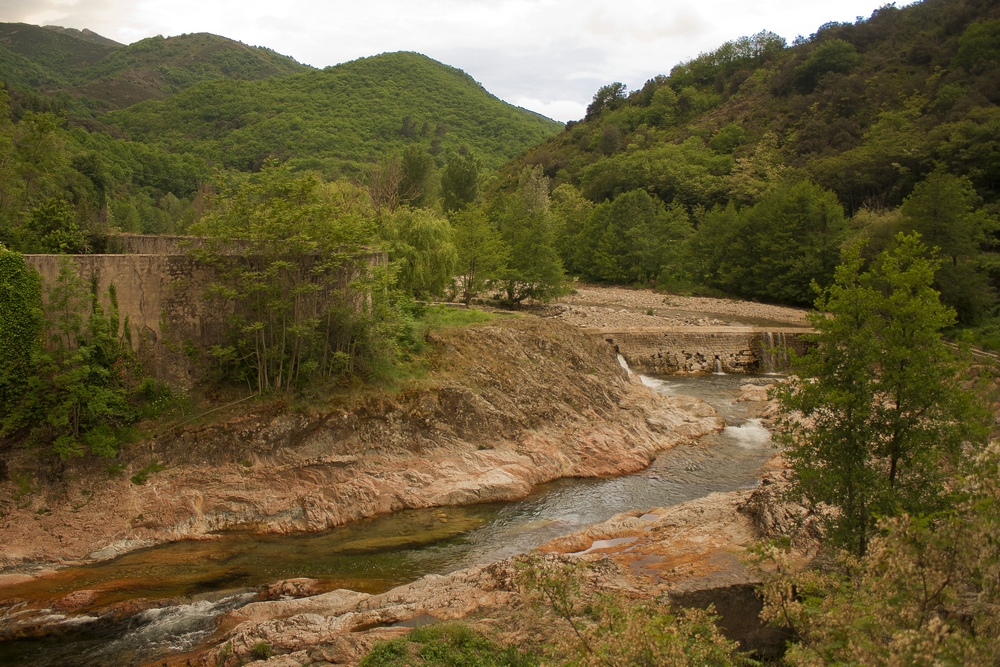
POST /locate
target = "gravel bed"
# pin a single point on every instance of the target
(618, 307)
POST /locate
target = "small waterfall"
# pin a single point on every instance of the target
(624, 364)
(774, 357)
(718, 366)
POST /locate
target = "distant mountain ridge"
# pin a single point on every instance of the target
(96, 74)
(85, 34)
(353, 112)
(234, 105)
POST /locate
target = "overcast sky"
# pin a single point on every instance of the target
(546, 55)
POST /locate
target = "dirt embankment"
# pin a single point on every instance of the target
(507, 405)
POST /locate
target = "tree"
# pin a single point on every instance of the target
(460, 182)
(526, 226)
(881, 416)
(834, 55)
(83, 378)
(756, 174)
(419, 243)
(979, 46)
(296, 267)
(482, 253)
(942, 209)
(383, 180)
(417, 186)
(635, 238)
(570, 213)
(775, 249)
(611, 97)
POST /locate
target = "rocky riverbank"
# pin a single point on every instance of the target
(690, 552)
(508, 405)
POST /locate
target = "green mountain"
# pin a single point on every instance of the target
(747, 169)
(93, 73)
(85, 35)
(40, 59)
(338, 117)
(158, 67)
(864, 109)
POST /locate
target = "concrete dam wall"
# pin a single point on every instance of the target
(669, 350)
(161, 288)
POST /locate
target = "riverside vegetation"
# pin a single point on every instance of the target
(859, 163)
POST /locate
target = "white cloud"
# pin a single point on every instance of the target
(561, 110)
(549, 54)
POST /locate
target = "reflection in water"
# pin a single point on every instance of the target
(380, 553)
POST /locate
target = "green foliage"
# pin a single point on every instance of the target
(460, 182)
(571, 213)
(610, 97)
(64, 191)
(79, 391)
(865, 110)
(103, 74)
(38, 57)
(774, 249)
(140, 477)
(482, 252)
(307, 293)
(351, 111)
(21, 321)
(418, 186)
(262, 651)
(979, 46)
(632, 239)
(926, 593)
(689, 174)
(526, 226)
(835, 55)
(883, 418)
(727, 139)
(420, 245)
(448, 317)
(745, 53)
(445, 645)
(597, 627)
(941, 209)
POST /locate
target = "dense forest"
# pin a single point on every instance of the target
(75, 171)
(746, 169)
(89, 74)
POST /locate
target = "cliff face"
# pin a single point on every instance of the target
(505, 406)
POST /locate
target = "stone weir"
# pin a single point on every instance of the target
(694, 349)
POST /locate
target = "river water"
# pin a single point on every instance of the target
(203, 579)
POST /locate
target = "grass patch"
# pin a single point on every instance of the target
(262, 650)
(140, 477)
(451, 645)
(449, 317)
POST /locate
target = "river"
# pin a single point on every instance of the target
(203, 579)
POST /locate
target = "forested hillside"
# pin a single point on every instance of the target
(746, 169)
(351, 113)
(89, 74)
(75, 174)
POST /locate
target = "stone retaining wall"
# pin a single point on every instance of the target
(156, 244)
(706, 349)
(171, 322)
(162, 296)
